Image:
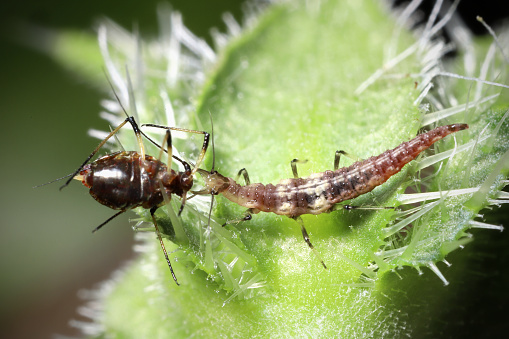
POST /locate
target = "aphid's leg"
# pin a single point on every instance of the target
(306, 239)
(185, 164)
(169, 148)
(206, 138)
(137, 133)
(152, 212)
(248, 215)
(243, 172)
(293, 163)
(184, 199)
(101, 144)
(168, 142)
(107, 221)
(338, 156)
(136, 129)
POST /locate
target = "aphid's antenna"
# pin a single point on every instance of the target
(136, 129)
(52, 181)
(118, 141)
(115, 93)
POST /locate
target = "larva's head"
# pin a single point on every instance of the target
(215, 183)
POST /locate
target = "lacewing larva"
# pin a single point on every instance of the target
(321, 192)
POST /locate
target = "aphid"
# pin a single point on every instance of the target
(321, 192)
(129, 179)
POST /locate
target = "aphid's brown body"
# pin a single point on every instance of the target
(124, 181)
(320, 192)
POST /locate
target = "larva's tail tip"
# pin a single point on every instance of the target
(458, 127)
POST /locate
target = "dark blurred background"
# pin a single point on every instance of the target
(47, 250)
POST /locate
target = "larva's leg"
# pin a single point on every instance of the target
(348, 155)
(248, 215)
(306, 239)
(293, 163)
(243, 172)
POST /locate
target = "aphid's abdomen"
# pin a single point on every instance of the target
(121, 181)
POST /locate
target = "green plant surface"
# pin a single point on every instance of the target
(289, 87)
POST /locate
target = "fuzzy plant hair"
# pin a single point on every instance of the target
(302, 79)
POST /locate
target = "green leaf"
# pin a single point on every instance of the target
(293, 86)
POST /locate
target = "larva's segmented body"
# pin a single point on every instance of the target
(319, 192)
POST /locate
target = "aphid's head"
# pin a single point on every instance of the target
(186, 181)
(178, 184)
(215, 183)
